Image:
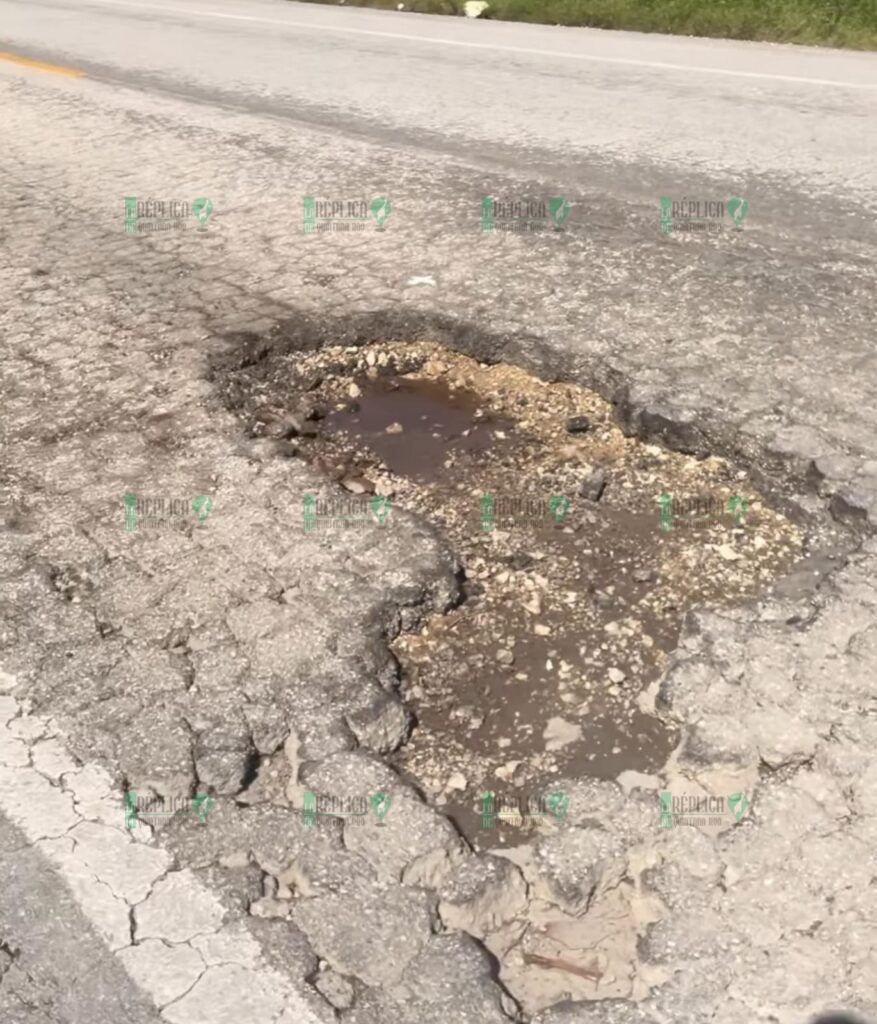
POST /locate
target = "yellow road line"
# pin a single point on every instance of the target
(27, 62)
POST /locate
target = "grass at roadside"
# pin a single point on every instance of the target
(847, 23)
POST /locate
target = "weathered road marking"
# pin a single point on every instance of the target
(167, 930)
(40, 65)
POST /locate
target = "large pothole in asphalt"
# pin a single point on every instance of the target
(582, 551)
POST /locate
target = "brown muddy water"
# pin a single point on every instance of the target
(578, 572)
(412, 426)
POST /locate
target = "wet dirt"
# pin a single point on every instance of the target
(578, 573)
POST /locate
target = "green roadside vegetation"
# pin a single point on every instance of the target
(844, 23)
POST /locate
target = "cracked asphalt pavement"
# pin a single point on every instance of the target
(227, 651)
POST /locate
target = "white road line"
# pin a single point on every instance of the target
(628, 61)
(194, 967)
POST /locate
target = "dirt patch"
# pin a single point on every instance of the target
(582, 551)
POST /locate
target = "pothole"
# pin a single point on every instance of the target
(583, 549)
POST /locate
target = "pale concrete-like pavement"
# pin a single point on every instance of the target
(757, 344)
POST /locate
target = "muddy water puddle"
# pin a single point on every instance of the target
(412, 426)
(582, 551)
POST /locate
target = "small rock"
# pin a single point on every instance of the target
(315, 412)
(592, 486)
(616, 675)
(507, 770)
(456, 781)
(292, 425)
(542, 630)
(394, 428)
(505, 657)
(370, 358)
(280, 426)
(353, 391)
(381, 726)
(630, 780)
(643, 575)
(286, 449)
(335, 988)
(729, 554)
(358, 485)
(578, 425)
(265, 414)
(268, 907)
(559, 733)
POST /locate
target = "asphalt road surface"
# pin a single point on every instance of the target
(160, 662)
